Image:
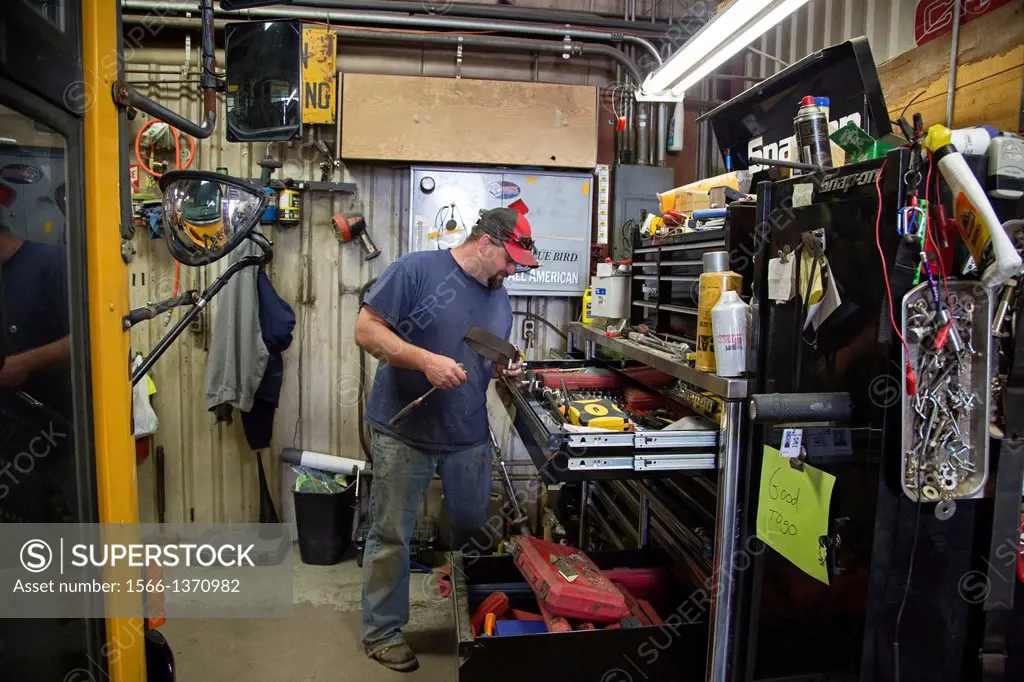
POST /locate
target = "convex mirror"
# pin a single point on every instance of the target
(206, 215)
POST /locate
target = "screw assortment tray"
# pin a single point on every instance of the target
(945, 421)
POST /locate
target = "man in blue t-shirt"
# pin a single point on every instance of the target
(415, 320)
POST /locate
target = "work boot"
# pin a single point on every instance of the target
(398, 657)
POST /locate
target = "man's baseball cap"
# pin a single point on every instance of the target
(512, 229)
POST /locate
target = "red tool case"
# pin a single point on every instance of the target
(579, 380)
(567, 583)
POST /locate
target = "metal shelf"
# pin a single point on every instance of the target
(729, 389)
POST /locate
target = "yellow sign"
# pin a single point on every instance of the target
(792, 512)
(319, 84)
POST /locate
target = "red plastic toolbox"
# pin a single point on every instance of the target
(568, 583)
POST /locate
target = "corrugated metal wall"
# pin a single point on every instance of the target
(887, 24)
(210, 471)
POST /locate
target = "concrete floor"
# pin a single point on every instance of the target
(320, 642)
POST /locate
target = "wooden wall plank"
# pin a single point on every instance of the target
(990, 73)
(988, 101)
(469, 121)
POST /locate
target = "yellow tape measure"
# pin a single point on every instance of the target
(598, 413)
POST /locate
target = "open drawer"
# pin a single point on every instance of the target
(566, 452)
(675, 650)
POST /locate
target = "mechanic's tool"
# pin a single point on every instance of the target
(518, 519)
(481, 342)
(597, 413)
(490, 620)
(404, 412)
(492, 347)
(349, 228)
(1004, 305)
(643, 335)
(268, 164)
(796, 407)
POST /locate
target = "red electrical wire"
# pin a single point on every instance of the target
(885, 269)
(928, 233)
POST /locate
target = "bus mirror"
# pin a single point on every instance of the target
(263, 77)
(206, 215)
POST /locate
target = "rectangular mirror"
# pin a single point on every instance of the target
(264, 80)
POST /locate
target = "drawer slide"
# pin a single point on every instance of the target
(567, 452)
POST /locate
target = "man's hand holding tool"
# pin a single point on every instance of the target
(444, 373)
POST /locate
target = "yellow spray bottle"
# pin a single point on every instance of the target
(981, 229)
(588, 296)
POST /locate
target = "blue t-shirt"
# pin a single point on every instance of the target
(429, 301)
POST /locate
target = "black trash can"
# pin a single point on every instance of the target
(324, 523)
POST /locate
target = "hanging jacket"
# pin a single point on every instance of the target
(277, 321)
(238, 355)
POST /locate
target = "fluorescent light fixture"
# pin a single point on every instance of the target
(730, 31)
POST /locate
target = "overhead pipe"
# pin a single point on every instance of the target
(661, 130)
(502, 12)
(127, 96)
(574, 49)
(434, 22)
(643, 133)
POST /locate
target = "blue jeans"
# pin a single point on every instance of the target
(401, 476)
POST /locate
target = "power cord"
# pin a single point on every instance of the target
(906, 586)
(360, 403)
(909, 371)
(538, 318)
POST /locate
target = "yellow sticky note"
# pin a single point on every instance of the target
(792, 512)
(150, 385)
(817, 287)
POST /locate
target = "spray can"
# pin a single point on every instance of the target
(981, 229)
(289, 206)
(811, 127)
(717, 278)
(731, 320)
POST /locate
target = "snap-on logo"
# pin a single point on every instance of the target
(842, 183)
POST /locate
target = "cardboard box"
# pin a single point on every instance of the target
(688, 202)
